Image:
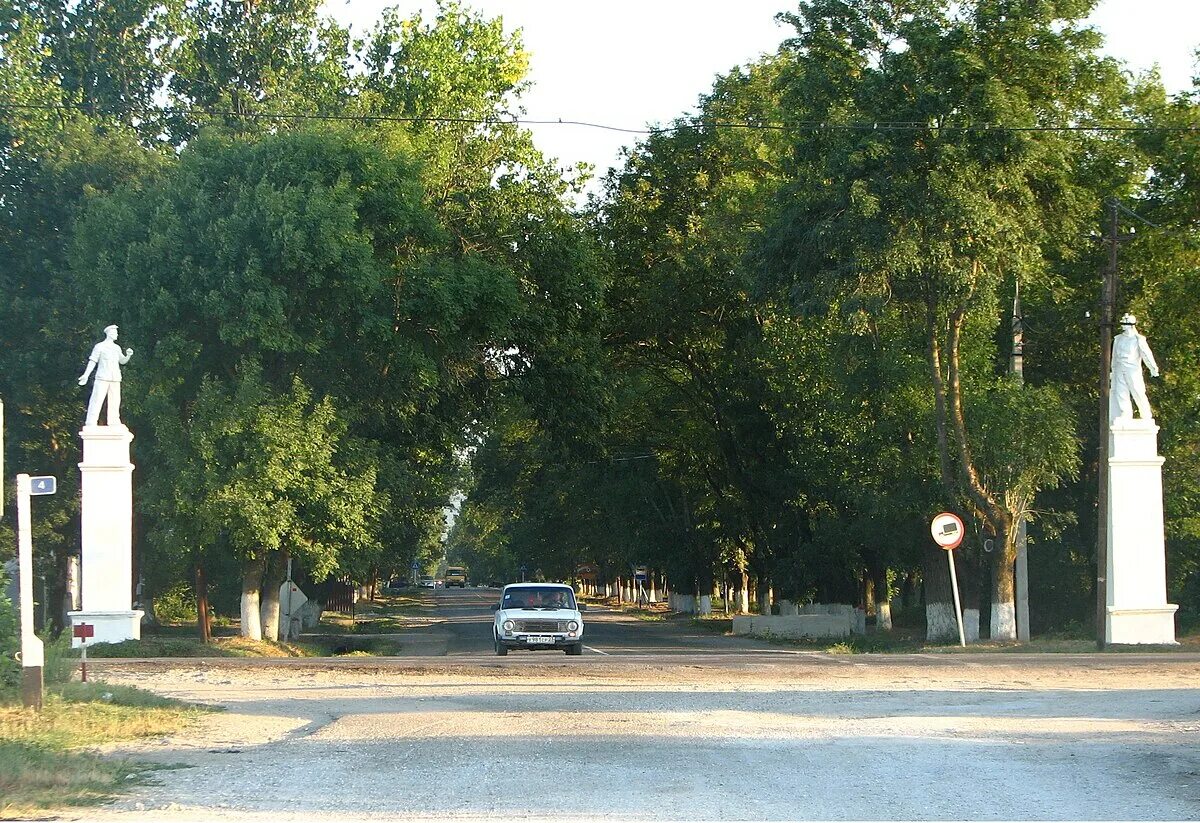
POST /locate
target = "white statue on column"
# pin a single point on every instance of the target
(1136, 579)
(106, 508)
(1126, 385)
(106, 359)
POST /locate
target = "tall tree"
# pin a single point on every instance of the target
(935, 213)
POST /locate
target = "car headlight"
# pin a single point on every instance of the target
(573, 626)
(508, 625)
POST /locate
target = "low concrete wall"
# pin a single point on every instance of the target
(793, 626)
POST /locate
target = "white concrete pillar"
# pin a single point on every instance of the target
(106, 518)
(971, 625)
(1138, 611)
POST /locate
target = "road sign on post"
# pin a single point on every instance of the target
(523, 570)
(947, 531)
(32, 651)
(42, 485)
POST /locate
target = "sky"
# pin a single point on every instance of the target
(630, 63)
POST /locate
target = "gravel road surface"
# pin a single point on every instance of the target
(739, 732)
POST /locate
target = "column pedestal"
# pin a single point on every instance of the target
(107, 532)
(1138, 611)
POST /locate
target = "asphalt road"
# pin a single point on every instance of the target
(462, 627)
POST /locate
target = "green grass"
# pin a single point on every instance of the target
(41, 764)
(160, 646)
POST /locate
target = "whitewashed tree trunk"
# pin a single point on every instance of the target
(1004, 621)
(744, 597)
(939, 622)
(706, 604)
(269, 613)
(252, 575)
(971, 625)
(883, 615)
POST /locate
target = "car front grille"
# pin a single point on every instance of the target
(541, 626)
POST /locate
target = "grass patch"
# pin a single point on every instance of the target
(40, 764)
(716, 624)
(168, 646)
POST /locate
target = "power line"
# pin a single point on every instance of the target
(695, 123)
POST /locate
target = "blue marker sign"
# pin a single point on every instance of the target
(43, 485)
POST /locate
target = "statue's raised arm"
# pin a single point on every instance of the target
(106, 359)
(1127, 387)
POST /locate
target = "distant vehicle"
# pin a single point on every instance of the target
(538, 616)
(455, 576)
(427, 582)
(396, 584)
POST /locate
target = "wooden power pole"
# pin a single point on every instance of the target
(1108, 300)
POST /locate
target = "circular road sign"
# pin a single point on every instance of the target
(947, 530)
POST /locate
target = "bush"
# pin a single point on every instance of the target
(10, 641)
(176, 605)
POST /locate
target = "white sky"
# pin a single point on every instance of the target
(628, 63)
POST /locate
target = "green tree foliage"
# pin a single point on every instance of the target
(936, 216)
(244, 60)
(305, 257)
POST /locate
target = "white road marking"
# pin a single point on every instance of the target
(597, 651)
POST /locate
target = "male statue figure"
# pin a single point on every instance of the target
(106, 359)
(1130, 350)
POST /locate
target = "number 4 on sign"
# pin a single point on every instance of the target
(42, 485)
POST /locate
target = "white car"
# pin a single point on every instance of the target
(538, 616)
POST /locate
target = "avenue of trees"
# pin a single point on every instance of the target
(770, 346)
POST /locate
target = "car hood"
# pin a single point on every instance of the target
(539, 614)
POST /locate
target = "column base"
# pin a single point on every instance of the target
(109, 627)
(1148, 626)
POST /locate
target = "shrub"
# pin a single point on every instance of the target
(176, 605)
(10, 640)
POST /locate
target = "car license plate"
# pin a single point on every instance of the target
(538, 638)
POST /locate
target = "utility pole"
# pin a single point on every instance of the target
(1108, 300)
(1016, 367)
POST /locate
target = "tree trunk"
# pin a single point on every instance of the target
(763, 586)
(1004, 600)
(203, 617)
(252, 576)
(744, 594)
(940, 621)
(273, 579)
(883, 604)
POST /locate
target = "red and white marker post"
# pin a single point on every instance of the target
(947, 531)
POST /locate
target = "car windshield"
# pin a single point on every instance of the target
(538, 597)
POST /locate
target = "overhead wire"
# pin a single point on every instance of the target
(680, 125)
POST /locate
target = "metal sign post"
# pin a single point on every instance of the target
(414, 568)
(947, 531)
